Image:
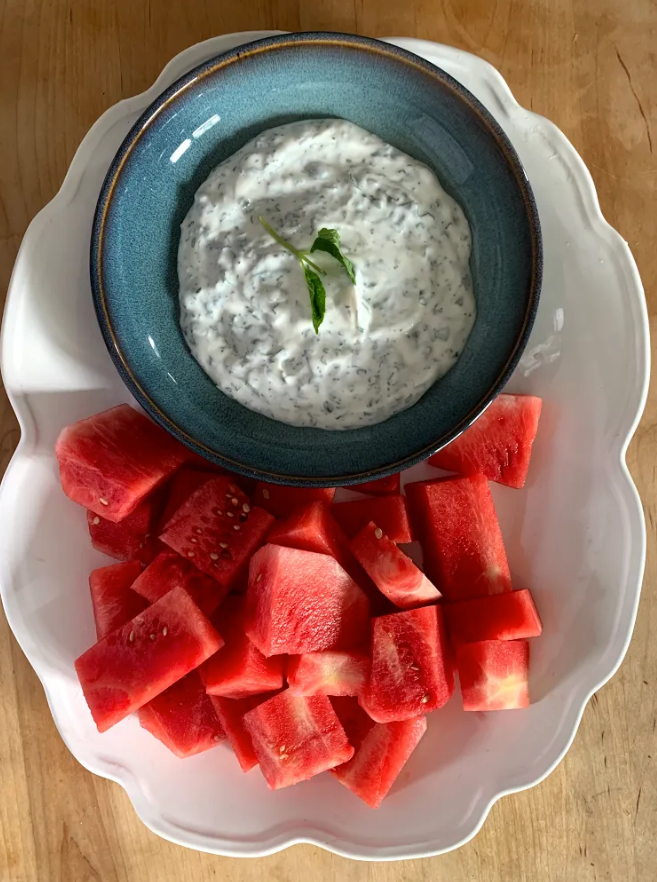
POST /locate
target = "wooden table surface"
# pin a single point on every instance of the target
(589, 65)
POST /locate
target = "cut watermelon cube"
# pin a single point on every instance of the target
(389, 486)
(111, 461)
(183, 718)
(499, 444)
(328, 673)
(281, 501)
(494, 674)
(230, 712)
(295, 737)
(299, 601)
(239, 669)
(460, 535)
(170, 570)
(379, 758)
(393, 573)
(412, 667)
(137, 661)
(129, 539)
(389, 513)
(218, 530)
(312, 528)
(113, 601)
(511, 616)
(185, 482)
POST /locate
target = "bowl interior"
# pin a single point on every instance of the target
(206, 117)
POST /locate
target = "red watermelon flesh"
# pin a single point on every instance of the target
(218, 530)
(393, 573)
(281, 501)
(239, 669)
(379, 758)
(170, 570)
(412, 667)
(312, 528)
(137, 661)
(113, 601)
(494, 675)
(460, 535)
(183, 718)
(389, 486)
(355, 722)
(185, 482)
(328, 673)
(299, 601)
(511, 616)
(109, 462)
(129, 539)
(296, 737)
(499, 444)
(230, 712)
(389, 512)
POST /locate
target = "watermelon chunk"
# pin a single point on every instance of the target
(281, 501)
(511, 616)
(299, 601)
(494, 675)
(183, 718)
(312, 528)
(230, 712)
(170, 570)
(137, 661)
(328, 673)
(185, 482)
(389, 512)
(113, 601)
(217, 530)
(412, 667)
(295, 737)
(239, 669)
(379, 758)
(389, 486)
(393, 573)
(111, 461)
(499, 444)
(460, 535)
(129, 539)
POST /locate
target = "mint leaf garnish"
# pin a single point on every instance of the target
(329, 241)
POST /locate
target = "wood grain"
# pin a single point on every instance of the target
(586, 64)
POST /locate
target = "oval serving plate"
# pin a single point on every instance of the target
(576, 534)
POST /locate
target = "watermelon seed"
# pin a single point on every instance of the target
(414, 668)
(235, 500)
(246, 508)
(103, 501)
(218, 738)
(194, 540)
(230, 514)
(96, 521)
(378, 533)
(258, 577)
(165, 631)
(198, 530)
(425, 698)
(190, 554)
(237, 527)
(154, 635)
(131, 637)
(265, 494)
(214, 556)
(222, 545)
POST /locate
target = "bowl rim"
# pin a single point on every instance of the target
(175, 91)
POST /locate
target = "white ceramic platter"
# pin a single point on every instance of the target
(576, 535)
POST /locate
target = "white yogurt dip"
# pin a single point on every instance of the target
(244, 305)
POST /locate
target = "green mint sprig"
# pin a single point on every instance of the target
(327, 241)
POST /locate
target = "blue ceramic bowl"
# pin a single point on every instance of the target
(205, 117)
